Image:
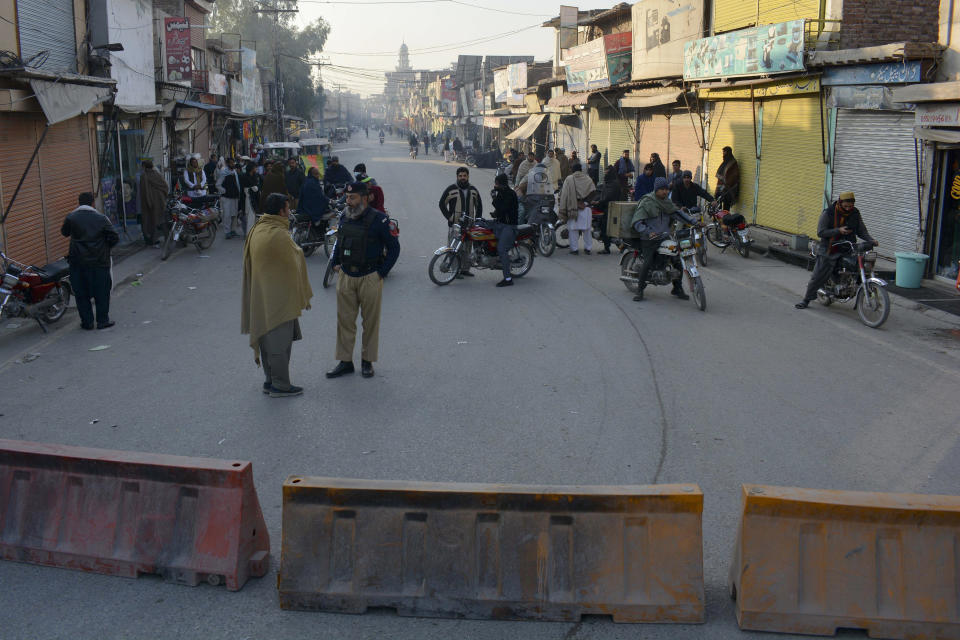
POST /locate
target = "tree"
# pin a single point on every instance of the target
(302, 93)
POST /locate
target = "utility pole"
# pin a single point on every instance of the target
(277, 84)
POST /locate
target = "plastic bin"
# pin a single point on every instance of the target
(910, 268)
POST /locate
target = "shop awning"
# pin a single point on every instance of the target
(200, 105)
(527, 129)
(570, 99)
(653, 100)
(949, 136)
(62, 100)
(932, 92)
(139, 108)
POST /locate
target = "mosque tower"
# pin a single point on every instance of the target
(404, 62)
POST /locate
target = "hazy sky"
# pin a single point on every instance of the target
(434, 31)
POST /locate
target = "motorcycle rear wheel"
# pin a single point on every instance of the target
(443, 268)
(56, 312)
(629, 262)
(521, 260)
(206, 238)
(470, 161)
(329, 276)
(873, 305)
(562, 235)
(699, 295)
(715, 236)
(167, 248)
(546, 241)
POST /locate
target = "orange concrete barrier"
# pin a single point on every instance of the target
(124, 513)
(493, 551)
(814, 561)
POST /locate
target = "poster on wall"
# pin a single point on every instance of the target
(176, 37)
(775, 48)
(661, 30)
(251, 101)
(516, 83)
(619, 51)
(586, 67)
(501, 85)
(218, 84)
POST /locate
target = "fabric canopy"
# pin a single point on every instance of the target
(569, 99)
(654, 100)
(61, 100)
(527, 129)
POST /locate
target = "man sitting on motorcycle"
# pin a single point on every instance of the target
(652, 219)
(686, 192)
(458, 200)
(537, 190)
(840, 222)
(336, 173)
(313, 201)
(376, 193)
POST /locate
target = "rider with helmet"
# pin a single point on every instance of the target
(376, 193)
(537, 189)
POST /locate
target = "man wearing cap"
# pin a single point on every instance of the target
(275, 290)
(686, 191)
(652, 218)
(364, 254)
(336, 173)
(840, 222)
(458, 200)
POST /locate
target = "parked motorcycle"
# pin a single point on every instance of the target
(474, 246)
(39, 293)
(724, 228)
(850, 280)
(198, 226)
(676, 257)
(563, 234)
(465, 157)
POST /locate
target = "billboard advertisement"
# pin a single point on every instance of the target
(586, 66)
(501, 85)
(619, 51)
(176, 38)
(250, 93)
(774, 48)
(448, 97)
(661, 30)
(516, 83)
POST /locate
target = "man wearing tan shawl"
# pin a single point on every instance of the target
(574, 210)
(153, 201)
(275, 290)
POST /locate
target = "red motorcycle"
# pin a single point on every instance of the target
(188, 224)
(474, 246)
(40, 293)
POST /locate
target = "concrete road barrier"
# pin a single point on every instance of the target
(814, 561)
(493, 551)
(125, 513)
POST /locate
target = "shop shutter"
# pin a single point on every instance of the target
(733, 14)
(731, 126)
(572, 136)
(622, 133)
(653, 129)
(197, 19)
(874, 158)
(154, 149)
(201, 139)
(774, 11)
(66, 171)
(23, 231)
(48, 25)
(791, 166)
(600, 133)
(685, 143)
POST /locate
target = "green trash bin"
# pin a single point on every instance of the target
(910, 268)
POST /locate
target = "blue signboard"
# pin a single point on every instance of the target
(774, 48)
(882, 73)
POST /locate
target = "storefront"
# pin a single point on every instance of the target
(733, 124)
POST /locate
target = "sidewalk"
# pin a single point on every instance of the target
(931, 294)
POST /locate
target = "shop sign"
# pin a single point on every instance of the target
(251, 95)
(882, 73)
(619, 50)
(938, 115)
(176, 37)
(516, 82)
(586, 67)
(661, 30)
(775, 48)
(793, 87)
(501, 84)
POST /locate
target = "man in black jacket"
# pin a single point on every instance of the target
(686, 191)
(365, 252)
(230, 199)
(294, 179)
(505, 211)
(458, 200)
(840, 222)
(91, 238)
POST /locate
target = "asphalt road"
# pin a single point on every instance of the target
(561, 379)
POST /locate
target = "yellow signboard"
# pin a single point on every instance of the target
(780, 88)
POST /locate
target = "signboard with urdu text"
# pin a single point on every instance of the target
(176, 37)
(586, 66)
(774, 48)
(501, 85)
(661, 30)
(619, 50)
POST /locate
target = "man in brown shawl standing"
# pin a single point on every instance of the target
(275, 290)
(153, 201)
(273, 182)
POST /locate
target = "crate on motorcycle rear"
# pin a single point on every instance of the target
(619, 215)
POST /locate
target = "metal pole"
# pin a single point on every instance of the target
(123, 209)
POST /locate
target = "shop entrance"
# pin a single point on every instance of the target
(946, 232)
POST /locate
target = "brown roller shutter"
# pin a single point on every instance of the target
(197, 18)
(65, 171)
(652, 130)
(685, 137)
(23, 237)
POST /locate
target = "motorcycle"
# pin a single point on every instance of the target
(309, 234)
(724, 229)
(563, 234)
(39, 293)
(187, 224)
(464, 157)
(381, 139)
(474, 246)
(850, 281)
(544, 230)
(676, 257)
(414, 149)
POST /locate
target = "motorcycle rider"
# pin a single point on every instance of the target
(414, 143)
(505, 211)
(652, 218)
(313, 201)
(685, 193)
(336, 173)
(375, 192)
(458, 200)
(840, 222)
(537, 190)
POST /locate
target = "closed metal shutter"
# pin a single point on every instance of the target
(791, 166)
(600, 134)
(48, 25)
(622, 133)
(197, 19)
(572, 136)
(685, 143)
(66, 171)
(731, 125)
(774, 11)
(23, 231)
(653, 129)
(733, 14)
(874, 158)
